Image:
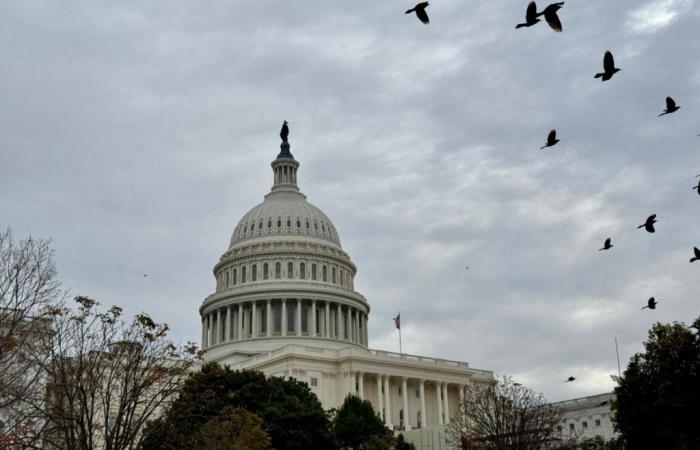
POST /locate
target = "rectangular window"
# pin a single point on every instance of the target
(597, 422)
(572, 427)
(302, 271)
(333, 275)
(278, 270)
(243, 280)
(290, 270)
(313, 272)
(254, 273)
(265, 271)
(399, 391)
(235, 276)
(314, 382)
(585, 424)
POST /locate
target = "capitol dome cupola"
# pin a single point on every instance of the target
(284, 277)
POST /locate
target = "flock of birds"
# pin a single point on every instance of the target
(609, 69)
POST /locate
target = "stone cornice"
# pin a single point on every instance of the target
(285, 289)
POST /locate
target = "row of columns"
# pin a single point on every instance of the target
(245, 320)
(384, 404)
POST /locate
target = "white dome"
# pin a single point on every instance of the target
(285, 213)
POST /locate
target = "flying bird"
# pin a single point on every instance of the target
(570, 380)
(530, 16)
(145, 275)
(467, 268)
(551, 139)
(284, 132)
(419, 9)
(607, 245)
(697, 255)
(550, 15)
(651, 303)
(609, 68)
(697, 187)
(649, 224)
(670, 106)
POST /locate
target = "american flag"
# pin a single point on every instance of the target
(397, 321)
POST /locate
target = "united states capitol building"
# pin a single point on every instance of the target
(285, 304)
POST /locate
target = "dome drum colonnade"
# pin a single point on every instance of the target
(284, 274)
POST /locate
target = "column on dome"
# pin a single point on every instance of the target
(438, 392)
(254, 320)
(327, 322)
(423, 413)
(297, 327)
(229, 321)
(387, 395)
(313, 318)
(406, 413)
(268, 318)
(357, 326)
(240, 321)
(361, 385)
(284, 317)
(352, 324)
(380, 399)
(338, 320)
(203, 343)
(218, 325)
(446, 403)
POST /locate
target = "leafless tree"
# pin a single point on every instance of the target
(105, 377)
(504, 415)
(27, 286)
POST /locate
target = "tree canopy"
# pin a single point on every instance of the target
(291, 414)
(659, 392)
(355, 422)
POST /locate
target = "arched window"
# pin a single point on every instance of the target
(235, 277)
(269, 222)
(290, 270)
(325, 274)
(227, 279)
(333, 275)
(307, 224)
(289, 222)
(341, 277)
(323, 228)
(315, 226)
(243, 278)
(298, 223)
(254, 273)
(279, 222)
(302, 271)
(265, 271)
(278, 270)
(260, 225)
(313, 271)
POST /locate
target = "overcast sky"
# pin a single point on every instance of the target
(136, 134)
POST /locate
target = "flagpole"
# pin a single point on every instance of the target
(400, 349)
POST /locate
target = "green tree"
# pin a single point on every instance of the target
(234, 429)
(659, 392)
(599, 443)
(292, 415)
(355, 422)
(385, 441)
(401, 444)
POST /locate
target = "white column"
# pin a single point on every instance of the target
(227, 333)
(461, 395)
(209, 330)
(269, 318)
(446, 404)
(312, 331)
(423, 413)
(327, 325)
(297, 328)
(218, 326)
(406, 413)
(366, 331)
(438, 391)
(284, 317)
(338, 321)
(380, 399)
(203, 342)
(387, 393)
(254, 320)
(240, 321)
(361, 384)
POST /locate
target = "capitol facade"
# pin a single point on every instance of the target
(285, 304)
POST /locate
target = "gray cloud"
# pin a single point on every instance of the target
(137, 135)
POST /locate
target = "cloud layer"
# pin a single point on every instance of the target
(136, 135)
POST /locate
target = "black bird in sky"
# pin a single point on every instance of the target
(551, 139)
(550, 15)
(651, 303)
(649, 224)
(530, 16)
(570, 379)
(145, 275)
(697, 187)
(697, 255)
(608, 67)
(607, 245)
(284, 132)
(419, 9)
(670, 106)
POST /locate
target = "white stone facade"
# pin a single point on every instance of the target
(587, 417)
(285, 304)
